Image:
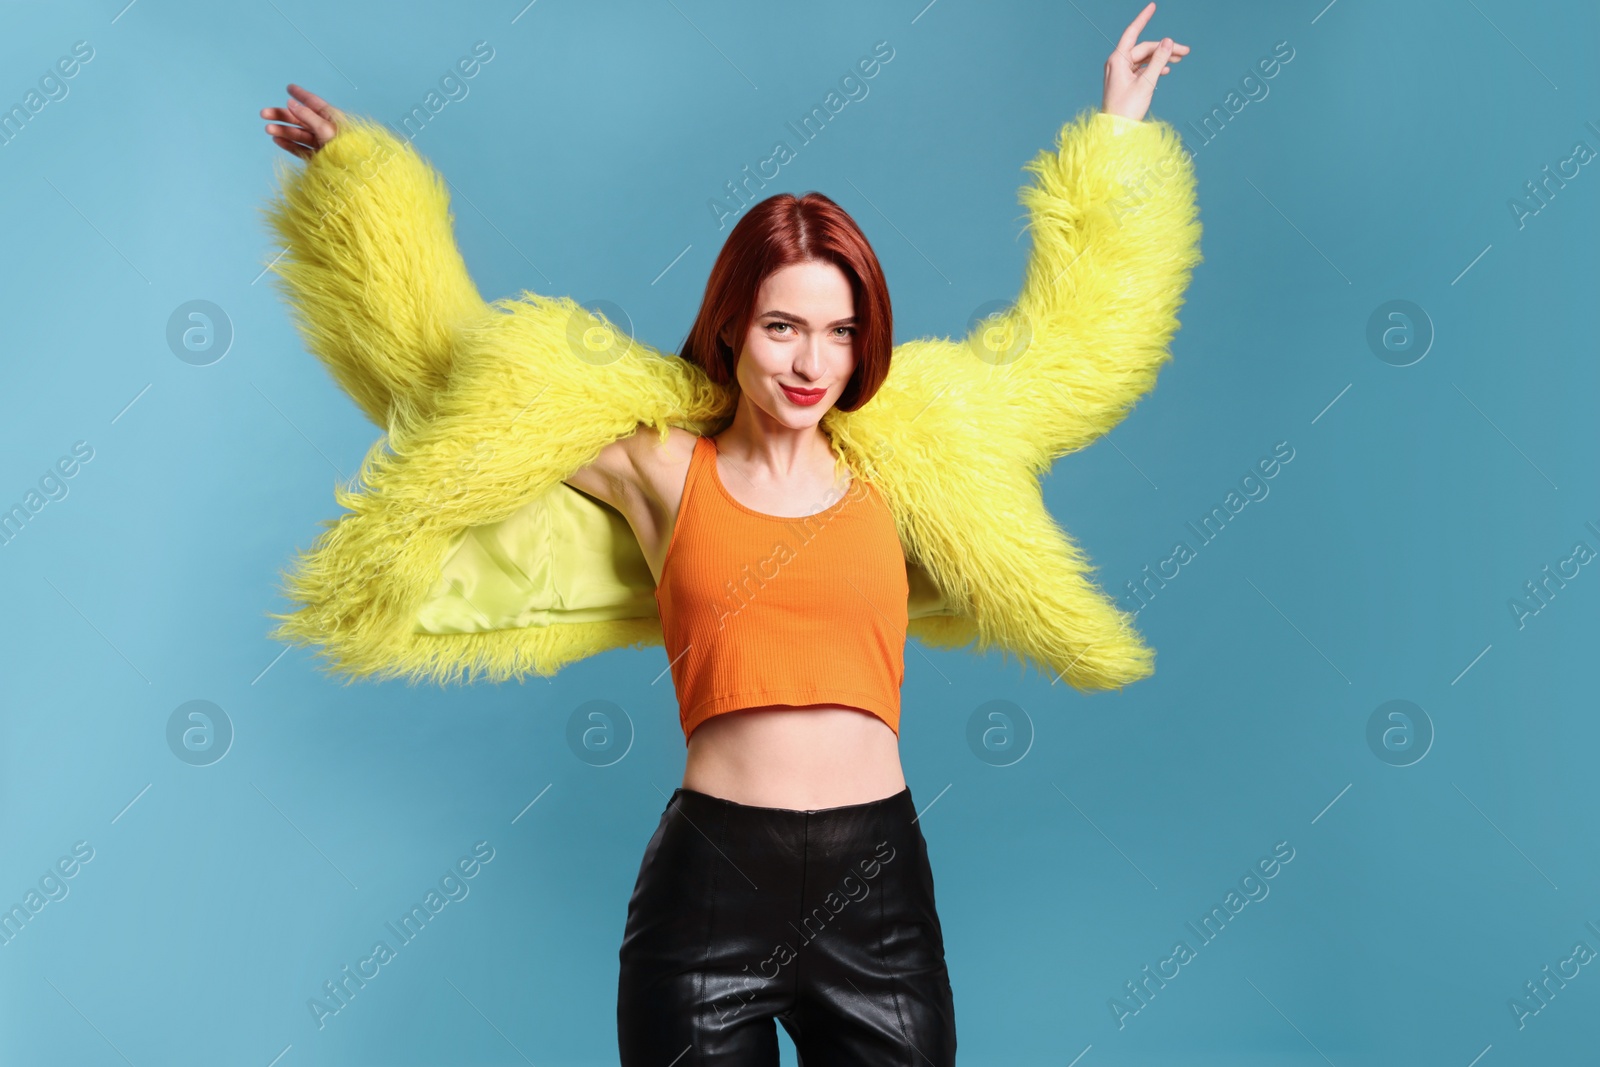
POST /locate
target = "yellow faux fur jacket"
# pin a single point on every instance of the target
(463, 554)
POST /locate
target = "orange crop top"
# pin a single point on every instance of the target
(760, 610)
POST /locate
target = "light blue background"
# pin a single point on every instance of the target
(1380, 566)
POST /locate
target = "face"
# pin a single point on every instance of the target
(799, 352)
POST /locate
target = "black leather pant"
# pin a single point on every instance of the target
(823, 920)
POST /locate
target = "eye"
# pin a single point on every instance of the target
(775, 325)
(848, 329)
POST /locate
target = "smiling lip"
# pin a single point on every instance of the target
(804, 397)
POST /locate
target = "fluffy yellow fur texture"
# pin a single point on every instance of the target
(488, 407)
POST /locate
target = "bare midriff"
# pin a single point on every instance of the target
(803, 758)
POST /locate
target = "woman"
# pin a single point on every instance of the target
(787, 878)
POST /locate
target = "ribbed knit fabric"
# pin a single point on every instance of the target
(760, 610)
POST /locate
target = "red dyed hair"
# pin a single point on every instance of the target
(777, 232)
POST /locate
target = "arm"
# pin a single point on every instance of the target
(970, 426)
(487, 474)
(1112, 213)
(1115, 237)
(370, 265)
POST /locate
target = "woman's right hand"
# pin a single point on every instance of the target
(316, 122)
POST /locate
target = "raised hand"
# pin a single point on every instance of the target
(1134, 67)
(315, 122)
(973, 424)
(369, 262)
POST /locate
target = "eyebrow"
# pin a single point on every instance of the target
(850, 321)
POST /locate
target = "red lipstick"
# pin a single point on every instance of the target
(803, 397)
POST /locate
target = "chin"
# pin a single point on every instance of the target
(796, 417)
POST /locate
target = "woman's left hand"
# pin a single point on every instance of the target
(1133, 68)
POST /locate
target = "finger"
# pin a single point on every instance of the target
(1137, 67)
(279, 114)
(1157, 65)
(1131, 34)
(294, 149)
(292, 133)
(300, 150)
(1144, 49)
(315, 102)
(308, 117)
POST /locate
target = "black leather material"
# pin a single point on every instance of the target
(823, 920)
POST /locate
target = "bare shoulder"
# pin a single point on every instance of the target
(639, 467)
(643, 477)
(661, 466)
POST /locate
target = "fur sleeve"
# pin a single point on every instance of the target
(538, 387)
(486, 410)
(960, 431)
(1115, 231)
(371, 269)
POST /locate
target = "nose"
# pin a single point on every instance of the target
(808, 361)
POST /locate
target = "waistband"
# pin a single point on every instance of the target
(897, 808)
